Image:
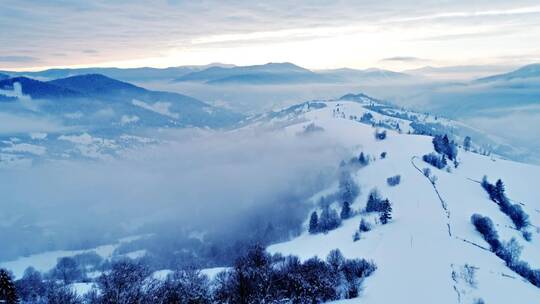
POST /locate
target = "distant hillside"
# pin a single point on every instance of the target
(125, 74)
(38, 89)
(259, 74)
(528, 71)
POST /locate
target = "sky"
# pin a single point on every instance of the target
(317, 34)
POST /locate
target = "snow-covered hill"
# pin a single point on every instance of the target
(429, 252)
(423, 252)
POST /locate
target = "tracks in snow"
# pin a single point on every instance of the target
(444, 205)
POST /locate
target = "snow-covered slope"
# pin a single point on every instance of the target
(429, 252)
(422, 252)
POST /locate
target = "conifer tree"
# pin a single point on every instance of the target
(499, 190)
(386, 214)
(8, 293)
(345, 211)
(313, 222)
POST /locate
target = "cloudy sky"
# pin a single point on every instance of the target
(316, 34)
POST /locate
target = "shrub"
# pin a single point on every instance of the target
(383, 155)
(393, 180)
(380, 135)
(364, 226)
(484, 225)
(435, 160)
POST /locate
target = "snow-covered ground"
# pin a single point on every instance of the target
(420, 249)
(422, 253)
(45, 261)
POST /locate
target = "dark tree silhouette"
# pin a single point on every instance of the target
(8, 293)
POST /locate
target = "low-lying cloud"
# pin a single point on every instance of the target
(196, 179)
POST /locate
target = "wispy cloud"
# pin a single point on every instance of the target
(21, 59)
(405, 59)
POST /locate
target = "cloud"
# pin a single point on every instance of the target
(405, 59)
(170, 32)
(195, 178)
(21, 59)
(14, 124)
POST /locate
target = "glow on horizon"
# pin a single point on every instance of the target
(411, 41)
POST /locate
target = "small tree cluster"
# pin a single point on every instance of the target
(514, 211)
(348, 189)
(393, 180)
(67, 270)
(444, 146)
(364, 226)
(259, 277)
(346, 211)
(376, 204)
(509, 252)
(484, 225)
(329, 220)
(437, 161)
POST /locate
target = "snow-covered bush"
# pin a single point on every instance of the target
(393, 180)
(380, 135)
(364, 226)
(437, 161)
(485, 226)
(362, 159)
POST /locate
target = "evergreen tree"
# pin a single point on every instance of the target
(8, 293)
(499, 190)
(313, 222)
(362, 159)
(386, 214)
(467, 143)
(345, 211)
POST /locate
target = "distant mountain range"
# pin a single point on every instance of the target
(127, 74)
(78, 99)
(216, 74)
